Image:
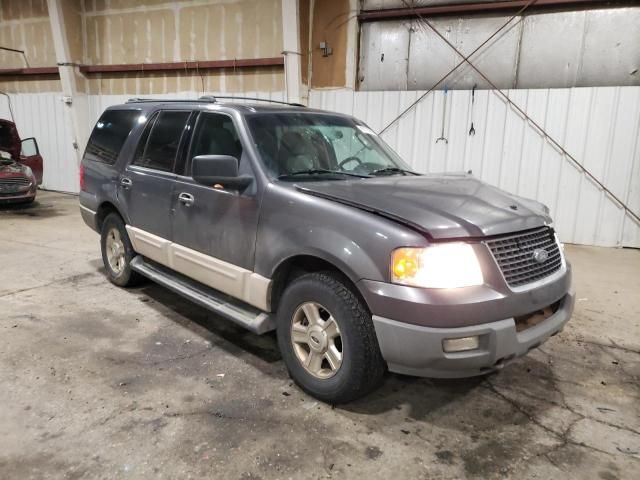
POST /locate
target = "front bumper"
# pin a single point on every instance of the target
(411, 340)
(19, 197)
(414, 350)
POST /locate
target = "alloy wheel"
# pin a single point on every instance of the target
(316, 340)
(114, 247)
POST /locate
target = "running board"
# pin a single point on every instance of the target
(246, 316)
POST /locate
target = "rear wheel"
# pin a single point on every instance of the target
(117, 252)
(327, 339)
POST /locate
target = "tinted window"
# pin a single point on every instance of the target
(216, 135)
(186, 139)
(109, 135)
(164, 140)
(137, 158)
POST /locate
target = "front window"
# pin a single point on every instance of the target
(311, 144)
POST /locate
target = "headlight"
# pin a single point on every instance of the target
(31, 176)
(448, 265)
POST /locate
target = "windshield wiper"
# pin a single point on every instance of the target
(392, 170)
(319, 171)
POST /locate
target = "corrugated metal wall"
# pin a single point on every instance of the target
(600, 127)
(583, 48)
(45, 117)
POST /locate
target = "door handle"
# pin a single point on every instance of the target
(126, 182)
(186, 199)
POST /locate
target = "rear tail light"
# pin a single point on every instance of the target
(81, 176)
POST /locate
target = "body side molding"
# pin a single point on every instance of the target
(225, 277)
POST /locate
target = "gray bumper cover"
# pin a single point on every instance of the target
(89, 217)
(417, 350)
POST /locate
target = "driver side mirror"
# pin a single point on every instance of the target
(222, 170)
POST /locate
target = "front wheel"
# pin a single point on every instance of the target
(327, 339)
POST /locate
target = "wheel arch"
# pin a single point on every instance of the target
(296, 265)
(105, 209)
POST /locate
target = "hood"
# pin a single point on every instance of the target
(9, 168)
(442, 206)
(9, 138)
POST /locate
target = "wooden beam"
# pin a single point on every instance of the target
(28, 71)
(240, 63)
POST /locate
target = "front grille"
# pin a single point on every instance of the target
(13, 185)
(516, 259)
(19, 181)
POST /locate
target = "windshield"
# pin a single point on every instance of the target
(312, 144)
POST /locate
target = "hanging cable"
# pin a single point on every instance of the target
(10, 106)
(537, 126)
(445, 76)
(15, 50)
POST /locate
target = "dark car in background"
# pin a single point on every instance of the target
(305, 222)
(20, 165)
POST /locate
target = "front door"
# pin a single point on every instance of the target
(30, 156)
(216, 222)
(146, 184)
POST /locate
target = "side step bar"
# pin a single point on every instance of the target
(246, 316)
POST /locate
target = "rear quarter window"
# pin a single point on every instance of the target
(109, 135)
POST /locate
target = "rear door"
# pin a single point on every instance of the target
(146, 184)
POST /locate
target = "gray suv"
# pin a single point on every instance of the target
(280, 217)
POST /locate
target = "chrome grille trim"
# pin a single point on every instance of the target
(514, 256)
(20, 181)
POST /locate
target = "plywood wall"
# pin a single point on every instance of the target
(150, 31)
(147, 31)
(330, 24)
(24, 25)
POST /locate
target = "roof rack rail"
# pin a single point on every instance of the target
(211, 99)
(168, 100)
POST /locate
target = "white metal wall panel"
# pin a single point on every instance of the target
(599, 126)
(45, 117)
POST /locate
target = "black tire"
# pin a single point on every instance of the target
(362, 368)
(125, 277)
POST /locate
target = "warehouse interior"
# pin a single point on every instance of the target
(539, 98)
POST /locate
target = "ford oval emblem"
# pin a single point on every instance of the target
(540, 255)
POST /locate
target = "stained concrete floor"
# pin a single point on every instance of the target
(101, 382)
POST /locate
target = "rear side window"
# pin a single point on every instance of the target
(109, 135)
(163, 142)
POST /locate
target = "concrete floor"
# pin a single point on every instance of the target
(100, 382)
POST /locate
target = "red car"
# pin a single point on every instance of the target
(20, 165)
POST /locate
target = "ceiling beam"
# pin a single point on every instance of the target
(482, 7)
